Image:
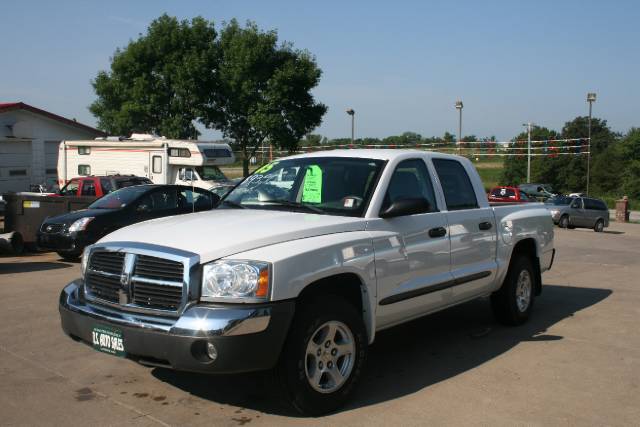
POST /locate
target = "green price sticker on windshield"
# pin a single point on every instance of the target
(312, 187)
(266, 168)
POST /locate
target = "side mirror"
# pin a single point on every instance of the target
(540, 189)
(575, 205)
(405, 207)
(215, 200)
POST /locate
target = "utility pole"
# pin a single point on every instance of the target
(529, 126)
(352, 113)
(591, 98)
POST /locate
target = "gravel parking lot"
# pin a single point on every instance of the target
(576, 363)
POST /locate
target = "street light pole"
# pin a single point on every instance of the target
(459, 106)
(352, 113)
(591, 98)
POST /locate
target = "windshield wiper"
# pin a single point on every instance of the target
(234, 204)
(289, 203)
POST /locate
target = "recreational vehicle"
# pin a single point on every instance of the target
(162, 160)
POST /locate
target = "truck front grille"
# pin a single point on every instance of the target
(135, 280)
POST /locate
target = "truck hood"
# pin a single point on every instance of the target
(223, 232)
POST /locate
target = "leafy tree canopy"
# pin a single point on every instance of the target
(263, 91)
(156, 82)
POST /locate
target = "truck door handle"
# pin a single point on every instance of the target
(485, 225)
(438, 232)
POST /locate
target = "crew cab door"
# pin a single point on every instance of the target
(411, 251)
(472, 230)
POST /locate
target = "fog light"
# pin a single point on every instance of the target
(212, 352)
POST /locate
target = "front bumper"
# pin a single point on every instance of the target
(246, 337)
(60, 242)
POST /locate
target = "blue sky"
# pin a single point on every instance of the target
(401, 65)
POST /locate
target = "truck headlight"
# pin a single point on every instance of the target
(80, 224)
(230, 279)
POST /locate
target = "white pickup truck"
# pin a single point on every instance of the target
(303, 263)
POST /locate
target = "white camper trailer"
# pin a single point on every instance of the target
(163, 161)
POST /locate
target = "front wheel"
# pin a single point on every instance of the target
(323, 357)
(513, 302)
(599, 227)
(564, 221)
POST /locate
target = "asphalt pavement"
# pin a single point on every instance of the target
(577, 362)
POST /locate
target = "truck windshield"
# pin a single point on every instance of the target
(210, 173)
(119, 198)
(325, 185)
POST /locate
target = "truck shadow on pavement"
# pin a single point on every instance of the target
(29, 267)
(413, 356)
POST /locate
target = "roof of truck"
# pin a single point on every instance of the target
(373, 153)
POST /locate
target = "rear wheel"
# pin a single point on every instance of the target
(599, 227)
(323, 357)
(513, 302)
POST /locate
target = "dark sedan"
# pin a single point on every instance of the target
(68, 234)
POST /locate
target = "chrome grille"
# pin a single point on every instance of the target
(107, 262)
(158, 269)
(135, 280)
(52, 228)
(103, 287)
(156, 296)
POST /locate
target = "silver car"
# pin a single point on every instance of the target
(572, 212)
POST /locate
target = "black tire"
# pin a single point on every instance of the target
(564, 221)
(599, 227)
(505, 301)
(291, 371)
(69, 256)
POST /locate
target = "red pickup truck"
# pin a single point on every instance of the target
(508, 195)
(98, 186)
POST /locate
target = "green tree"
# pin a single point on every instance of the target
(263, 91)
(543, 168)
(156, 82)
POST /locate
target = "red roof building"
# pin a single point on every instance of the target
(29, 140)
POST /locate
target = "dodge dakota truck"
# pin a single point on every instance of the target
(303, 263)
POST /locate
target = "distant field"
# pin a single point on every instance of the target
(489, 172)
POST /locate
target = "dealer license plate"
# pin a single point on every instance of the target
(108, 340)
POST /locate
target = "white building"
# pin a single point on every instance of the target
(29, 139)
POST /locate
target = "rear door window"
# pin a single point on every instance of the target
(88, 188)
(194, 200)
(106, 185)
(456, 185)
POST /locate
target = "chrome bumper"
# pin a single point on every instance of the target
(238, 332)
(196, 321)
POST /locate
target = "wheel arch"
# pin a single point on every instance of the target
(349, 286)
(529, 247)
